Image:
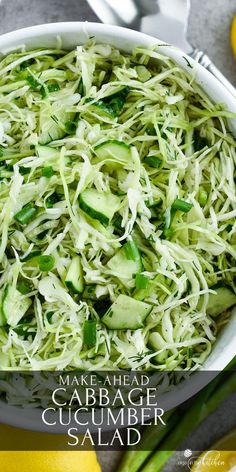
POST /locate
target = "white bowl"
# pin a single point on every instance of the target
(69, 35)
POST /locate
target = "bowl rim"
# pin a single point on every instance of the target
(9, 42)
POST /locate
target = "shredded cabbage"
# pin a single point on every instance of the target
(165, 116)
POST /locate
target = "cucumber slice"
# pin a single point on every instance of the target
(74, 278)
(224, 299)
(14, 305)
(99, 206)
(126, 313)
(124, 267)
(118, 151)
(52, 123)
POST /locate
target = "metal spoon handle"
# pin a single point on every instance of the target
(206, 62)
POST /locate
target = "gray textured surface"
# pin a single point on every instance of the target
(208, 30)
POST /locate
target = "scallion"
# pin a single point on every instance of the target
(182, 205)
(90, 332)
(131, 251)
(202, 197)
(23, 287)
(25, 215)
(47, 172)
(141, 281)
(70, 127)
(46, 263)
(153, 161)
(53, 87)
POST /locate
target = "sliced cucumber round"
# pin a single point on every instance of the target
(99, 206)
(118, 151)
(126, 313)
(124, 267)
(74, 278)
(224, 299)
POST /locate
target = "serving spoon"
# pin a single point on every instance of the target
(165, 19)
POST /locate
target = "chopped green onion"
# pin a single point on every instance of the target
(90, 333)
(131, 251)
(70, 127)
(23, 288)
(141, 281)
(24, 65)
(182, 205)
(47, 172)
(153, 161)
(33, 82)
(46, 263)
(167, 233)
(202, 197)
(53, 87)
(25, 215)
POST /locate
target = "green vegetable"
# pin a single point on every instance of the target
(126, 262)
(153, 436)
(202, 197)
(153, 161)
(141, 282)
(70, 126)
(27, 214)
(206, 403)
(23, 288)
(116, 152)
(99, 206)
(126, 313)
(113, 104)
(181, 205)
(53, 87)
(46, 263)
(90, 333)
(74, 277)
(3, 321)
(131, 251)
(220, 302)
(47, 172)
(30, 256)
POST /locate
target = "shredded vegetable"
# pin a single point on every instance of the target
(117, 212)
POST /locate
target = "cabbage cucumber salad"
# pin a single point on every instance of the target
(117, 212)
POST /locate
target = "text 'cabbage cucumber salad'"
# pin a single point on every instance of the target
(117, 211)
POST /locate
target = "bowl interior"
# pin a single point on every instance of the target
(68, 36)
